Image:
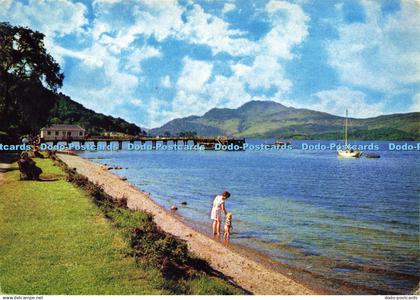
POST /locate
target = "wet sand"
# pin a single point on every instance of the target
(249, 274)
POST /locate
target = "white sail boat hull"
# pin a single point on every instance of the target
(349, 153)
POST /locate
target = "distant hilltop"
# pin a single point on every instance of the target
(269, 119)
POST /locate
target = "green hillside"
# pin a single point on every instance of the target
(67, 111)
(267, 119)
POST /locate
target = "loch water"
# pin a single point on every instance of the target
(350, 223)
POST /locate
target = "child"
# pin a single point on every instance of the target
(228, 227)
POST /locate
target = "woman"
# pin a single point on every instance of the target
(216, 212)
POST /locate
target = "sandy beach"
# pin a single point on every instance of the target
(250, 275)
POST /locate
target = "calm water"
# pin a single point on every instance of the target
(353, 223)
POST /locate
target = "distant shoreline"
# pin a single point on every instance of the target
(249, 274)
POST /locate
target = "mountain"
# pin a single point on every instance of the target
(268, 119)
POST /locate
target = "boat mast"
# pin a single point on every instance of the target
(345, 133)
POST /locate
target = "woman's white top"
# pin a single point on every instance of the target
(217, 208)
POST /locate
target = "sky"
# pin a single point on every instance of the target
(150, 61)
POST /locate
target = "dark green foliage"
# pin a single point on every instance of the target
(23, 56)
(25, 67)
(187, 134)
(161, 249)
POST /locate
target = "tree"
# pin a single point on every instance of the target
(25, 68)
(187, 134)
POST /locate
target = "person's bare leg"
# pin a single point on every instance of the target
(214, 227)
(227, 234)
(218, 229)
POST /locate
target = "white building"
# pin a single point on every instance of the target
(63, 133)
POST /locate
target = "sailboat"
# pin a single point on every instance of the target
(347, 152)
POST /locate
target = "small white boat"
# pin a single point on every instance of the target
(347, 152)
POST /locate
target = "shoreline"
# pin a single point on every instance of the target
(253, 276)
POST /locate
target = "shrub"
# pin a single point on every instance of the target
(122, 202)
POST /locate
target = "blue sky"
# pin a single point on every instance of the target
(150, 61)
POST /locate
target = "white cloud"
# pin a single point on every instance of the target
(265, 72)
(228, 7)
(189, 98)
(119, 86)
(194, 75)
(415, 106)
(158, 18)
(382, 53)
(138, 55)
(162, 19)
(289, 28)
(227, 92)
(145, 18)
(338, 100)
(207, 29)
(52, 18)
(166, 82)
(91, 57)
(157, 114)
(96, 2)
(58, 17)
(187, 101)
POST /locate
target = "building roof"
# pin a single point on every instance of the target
(63, 127)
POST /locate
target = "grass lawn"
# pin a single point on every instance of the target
(55, 240)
